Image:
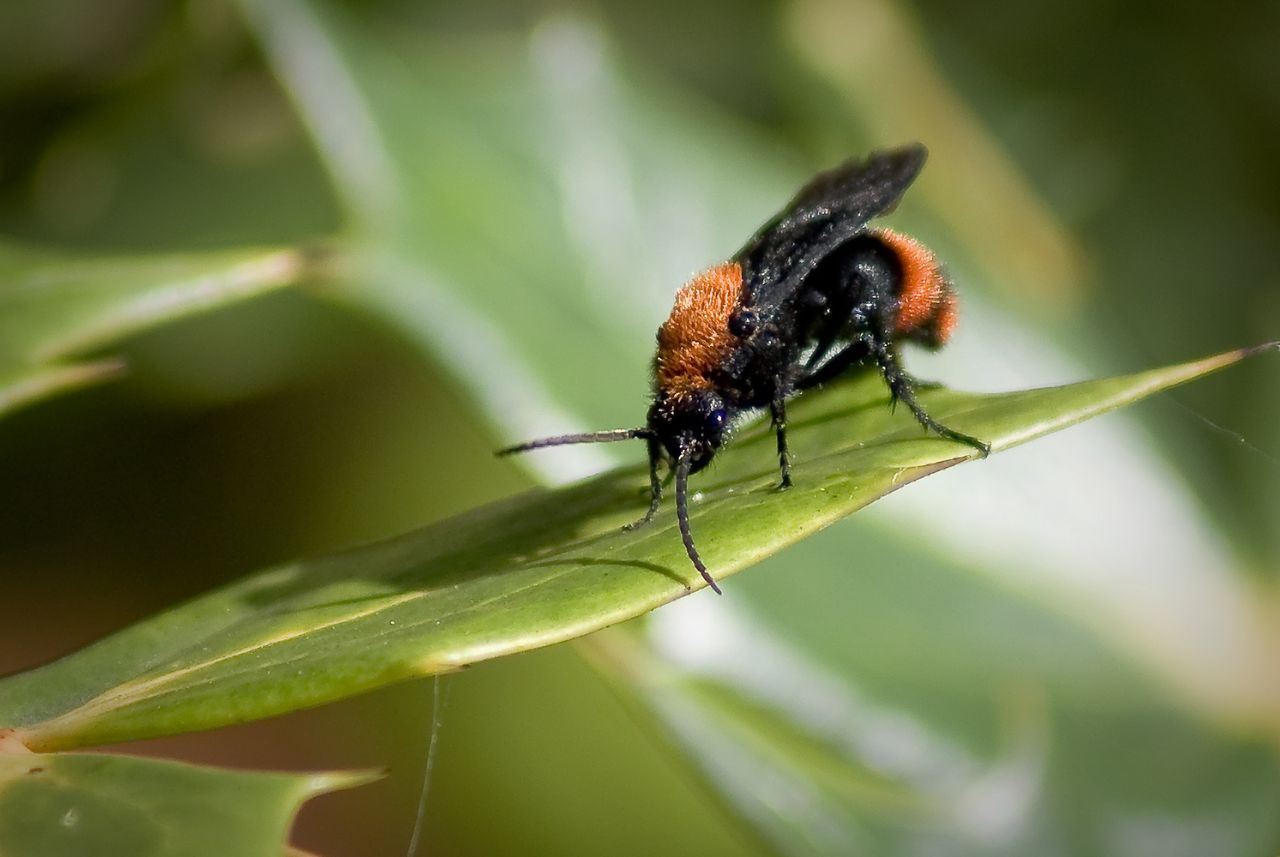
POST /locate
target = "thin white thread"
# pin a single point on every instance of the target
(1234, 435)
(437, 715)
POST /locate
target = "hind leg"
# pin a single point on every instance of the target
(902, 387)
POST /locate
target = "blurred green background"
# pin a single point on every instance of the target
(1072, 649)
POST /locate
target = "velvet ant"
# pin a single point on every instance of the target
(814, 292)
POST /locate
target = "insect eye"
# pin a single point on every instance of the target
(717, 418)
(742, 323)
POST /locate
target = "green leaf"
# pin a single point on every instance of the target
(105, 805)
(56, 308)
(536, 569)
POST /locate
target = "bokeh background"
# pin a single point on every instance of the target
(1071, 649)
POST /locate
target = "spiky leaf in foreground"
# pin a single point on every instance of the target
(80, 803)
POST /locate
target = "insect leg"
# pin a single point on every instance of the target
(655, 486)
(835, 309)
(778, 410)
(822, 348)
(902, 388)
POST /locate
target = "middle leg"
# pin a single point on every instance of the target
(834, 365)
(778, 410)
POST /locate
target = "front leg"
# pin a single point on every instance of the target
(655, 487)
(778, 410)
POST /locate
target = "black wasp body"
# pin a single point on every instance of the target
(813, 292)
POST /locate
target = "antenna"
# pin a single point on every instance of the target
(585, 437)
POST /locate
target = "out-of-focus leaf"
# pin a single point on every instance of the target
(20, 386)
(877, 62)
(56, 308)
(538, 569)
(882, 736)
(66, 804)
(498, 196)
(809, 761)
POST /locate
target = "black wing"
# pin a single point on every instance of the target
(828, 211)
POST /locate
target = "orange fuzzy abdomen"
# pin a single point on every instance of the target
(926, 302)
(695, 339)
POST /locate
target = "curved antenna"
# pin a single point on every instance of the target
(585, 437)
(682, 515)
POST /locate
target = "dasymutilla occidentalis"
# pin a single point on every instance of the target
(811, 294)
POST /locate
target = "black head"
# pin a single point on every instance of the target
(690, 425)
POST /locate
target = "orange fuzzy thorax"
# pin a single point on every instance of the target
(926, 302)
(695, 338)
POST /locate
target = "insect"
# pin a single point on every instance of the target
(812, 293)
